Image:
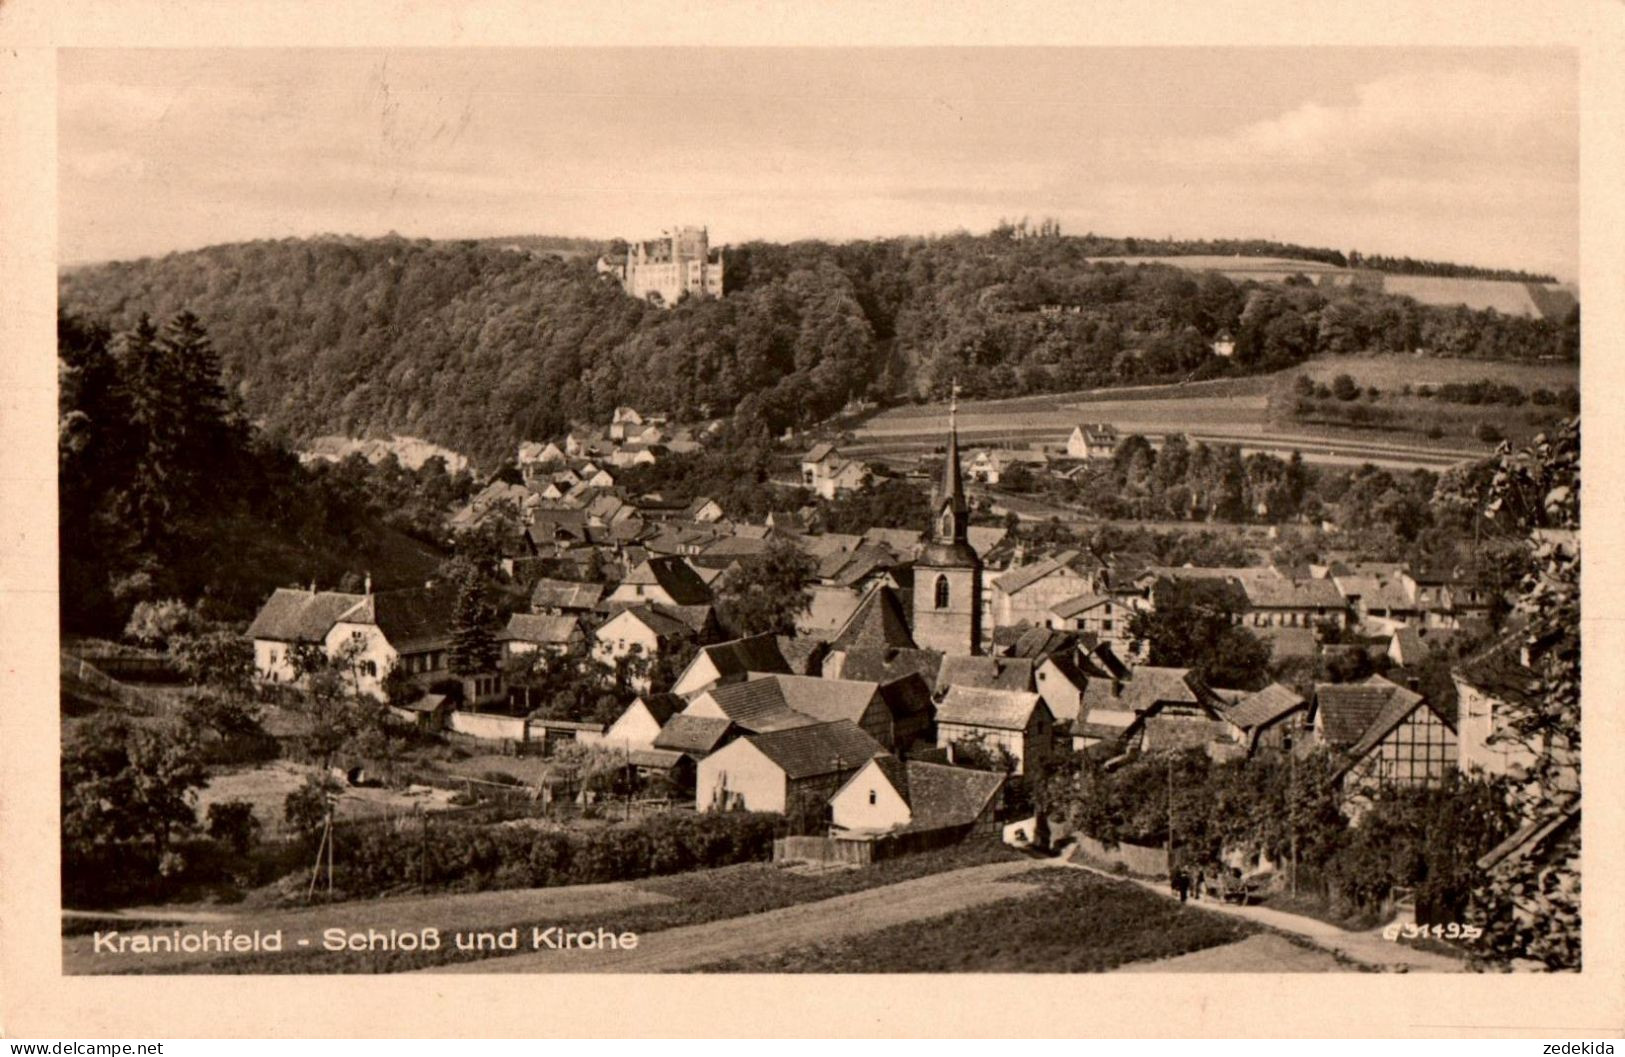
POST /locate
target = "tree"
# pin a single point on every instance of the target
(232, 822)
(974, 751)
(123, 783)
(1345, 388)
(219, 658)
(155, 624)
(1530, 905)
(767, 592)
(1193, 625)
(474, 648)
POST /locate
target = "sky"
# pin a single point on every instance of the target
(1469, 155)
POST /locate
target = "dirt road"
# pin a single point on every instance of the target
(693, 947)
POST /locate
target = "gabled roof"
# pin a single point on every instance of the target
(697, 619)
(1177, 733)
(992, 673)
(292, 615)
(1287, 642)
(1149, 685)
(1401, 703)
(1036, 643)
(661, 706)
(900, 540)
(1276, 592)
(758, 654)
(675, 577)
(1264, 707)
(818, 453)
(1024, 576)
(652, 618)
(1079, 604)
(542, 628)
(412, 618)
(941, 796)
(1499, 672)
(883, 664)
(1348, 712)
(803, 653)
(757, 705)
(696, 734)
(907, 695)
(877, 622)
(996, 709)
(826, 699)
(819, 749)
(983, 538)
(654, 759)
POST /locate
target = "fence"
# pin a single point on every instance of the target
(81, 671)
(861, 851)
(1136, 858)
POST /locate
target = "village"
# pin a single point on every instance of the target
(933, 677)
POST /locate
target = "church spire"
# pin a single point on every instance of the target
(951, 509)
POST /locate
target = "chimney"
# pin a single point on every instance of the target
(366, 585)
(312, 586)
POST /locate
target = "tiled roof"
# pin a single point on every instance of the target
(941, 796)
(565, 594)
(1272, 592)
(992, 673)
(826, 699)
(1176, 733)
(983, 538)
(756, 654)
(822, 546)
(1036, 643)
(902, 541)
(1151, 685)
(1400, 704)
(908, 695)
(655, 759)
(1080, 604)
(662, 625)
(883, 664)
(802, 652)
(541, 628)
(291, 615)
(695, 618)
(818, 453)
(998, 709)
(1266, 706)
(1345, 712)
(1499, 672)
(757, 705)
(819, 749)
(675, 577)
(1288, 642)
(1024, 576)
(412, 618)
(1407, 642)
(877, 622)
(696, 734)
(661, 706)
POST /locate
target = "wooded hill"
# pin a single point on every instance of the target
(476, 346)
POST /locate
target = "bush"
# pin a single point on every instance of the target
(473, 857)
(1344, 387)
(232, 823)
(1488, 433)
(1435, 431)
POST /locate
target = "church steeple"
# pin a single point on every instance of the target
(951, 513)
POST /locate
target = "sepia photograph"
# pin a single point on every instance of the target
(819, 510)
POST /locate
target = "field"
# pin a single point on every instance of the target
(1552, 300)
(1073, 922)
(1392, 372)
(646, 907)
(267, 787)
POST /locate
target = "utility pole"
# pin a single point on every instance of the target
(1292, 808)
(1170, 817)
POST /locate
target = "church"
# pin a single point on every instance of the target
(948, 572)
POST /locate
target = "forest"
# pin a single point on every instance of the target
(476, 346)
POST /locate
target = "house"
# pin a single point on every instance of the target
(1379, 603)
(1104, 616)
(663, 773)
(1116, 709)
(826, 472)
(1489, 688)
(1018, 722)
(1274, 600)
(565, 596)
(1386, 735)
(428, 713)
(888, 795)
(1061, 681)
(409, 629)
(662, 581)
(788, 771)
(703, 510)
(775, 702)
(641, 631)
(882, 664)
(641, 724)
(621, 420)
(990, 466)
(1276, 717)
(1406, 648)
(1026, 593)
(1092, 440)
(549, 633)
(985, 673)
(290, 619)
(731, 662)
(695, 736)
(1224, 344)
(878, 623)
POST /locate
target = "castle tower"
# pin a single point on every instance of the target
(948, 573)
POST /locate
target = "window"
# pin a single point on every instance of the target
(873, 798)
(369, 669)
(942, 592)
(1105, 625)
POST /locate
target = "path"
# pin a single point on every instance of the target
(1368, 948)
(1263, 953)
(693, 947)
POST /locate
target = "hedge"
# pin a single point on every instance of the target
(472, 857)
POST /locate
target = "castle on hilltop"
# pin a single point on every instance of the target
(662, 270)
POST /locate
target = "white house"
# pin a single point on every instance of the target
(409, 629)
(636, 630)
(826, 472)
(733, 661)
(1486, 688)
(666, 581)
(641, 723)
(1019, 722)
(783, 771)
(292, 618)
(1092, 440)
(551, 633)
(888, 795)
(1025, 593)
